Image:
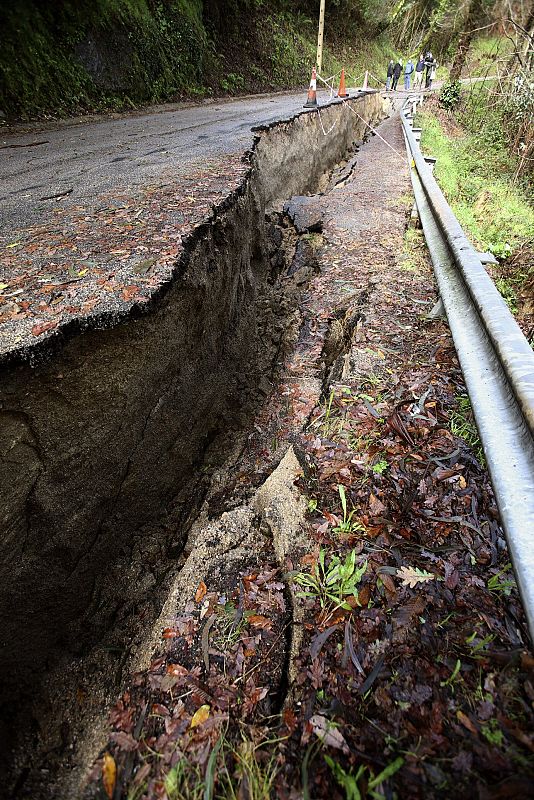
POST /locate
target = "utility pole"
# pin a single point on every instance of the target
(320, 37)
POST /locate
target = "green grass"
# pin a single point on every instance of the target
(475, 173)
(485, 54)
(243, 769)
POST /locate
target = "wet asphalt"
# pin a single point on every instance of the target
(82, 162)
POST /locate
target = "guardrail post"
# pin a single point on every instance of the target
(437, 311)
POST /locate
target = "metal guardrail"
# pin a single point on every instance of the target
(496, 360)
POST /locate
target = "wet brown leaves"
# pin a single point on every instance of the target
(108, 256)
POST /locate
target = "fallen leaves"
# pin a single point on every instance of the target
(200, 592)
(109, 774)
(129, 292)
(411, 576)
(106, 257)
(200, 716)
(259, 621)
(170, 633)
(380, 678)
(42, 327)
(328, 733)
(177, 670)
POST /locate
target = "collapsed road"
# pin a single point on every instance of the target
(86, 160)
(115, 412)
(152, 437)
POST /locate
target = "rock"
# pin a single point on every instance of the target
(306, 215)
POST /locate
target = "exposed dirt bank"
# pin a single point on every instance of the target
(110, 425)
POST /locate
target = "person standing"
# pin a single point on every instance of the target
(391, 66)
(419, 68)
(408, 69)
(397, 69)
(430, 66)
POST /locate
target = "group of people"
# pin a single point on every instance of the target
(426, 67)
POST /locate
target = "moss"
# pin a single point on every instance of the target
(67, 55)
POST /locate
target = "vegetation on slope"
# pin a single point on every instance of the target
(481, 176)
(61, 57)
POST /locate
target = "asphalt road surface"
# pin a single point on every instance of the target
(85, 161)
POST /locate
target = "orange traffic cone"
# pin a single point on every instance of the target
(311, 102)
(342, 91)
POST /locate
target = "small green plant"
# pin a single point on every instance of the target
(454, 676)
(332, 583)
(380, 467)
(508, 294)
(349, 782)
(229, 625)
(184, 782)
(462, 424)
(491, 731)
(450, 95)
(497, 584)
(328, 423)
(370, 379)
(442, 623)
(232, 771)
(347, 524)
(476, 645)
(253, 775)
(233, 82)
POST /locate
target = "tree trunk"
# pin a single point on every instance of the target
(474, 16)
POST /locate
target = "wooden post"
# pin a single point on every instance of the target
(320, 38)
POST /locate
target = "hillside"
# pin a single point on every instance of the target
(63, 57)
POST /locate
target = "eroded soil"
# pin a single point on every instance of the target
(415, 680)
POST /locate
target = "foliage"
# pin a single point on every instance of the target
(347, 524)
(508, 293)
(234, 767)
(476, 174)
(438, 25)
(380, 467)
(502, 582)
(331, 583)
(519, 117)
(62, 57)
(462, 424)
(349, 782)
(112, 52)
(450, 95)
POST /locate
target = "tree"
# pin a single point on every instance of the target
(474, 20)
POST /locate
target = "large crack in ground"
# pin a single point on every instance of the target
(88, 584)
(373, 688)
